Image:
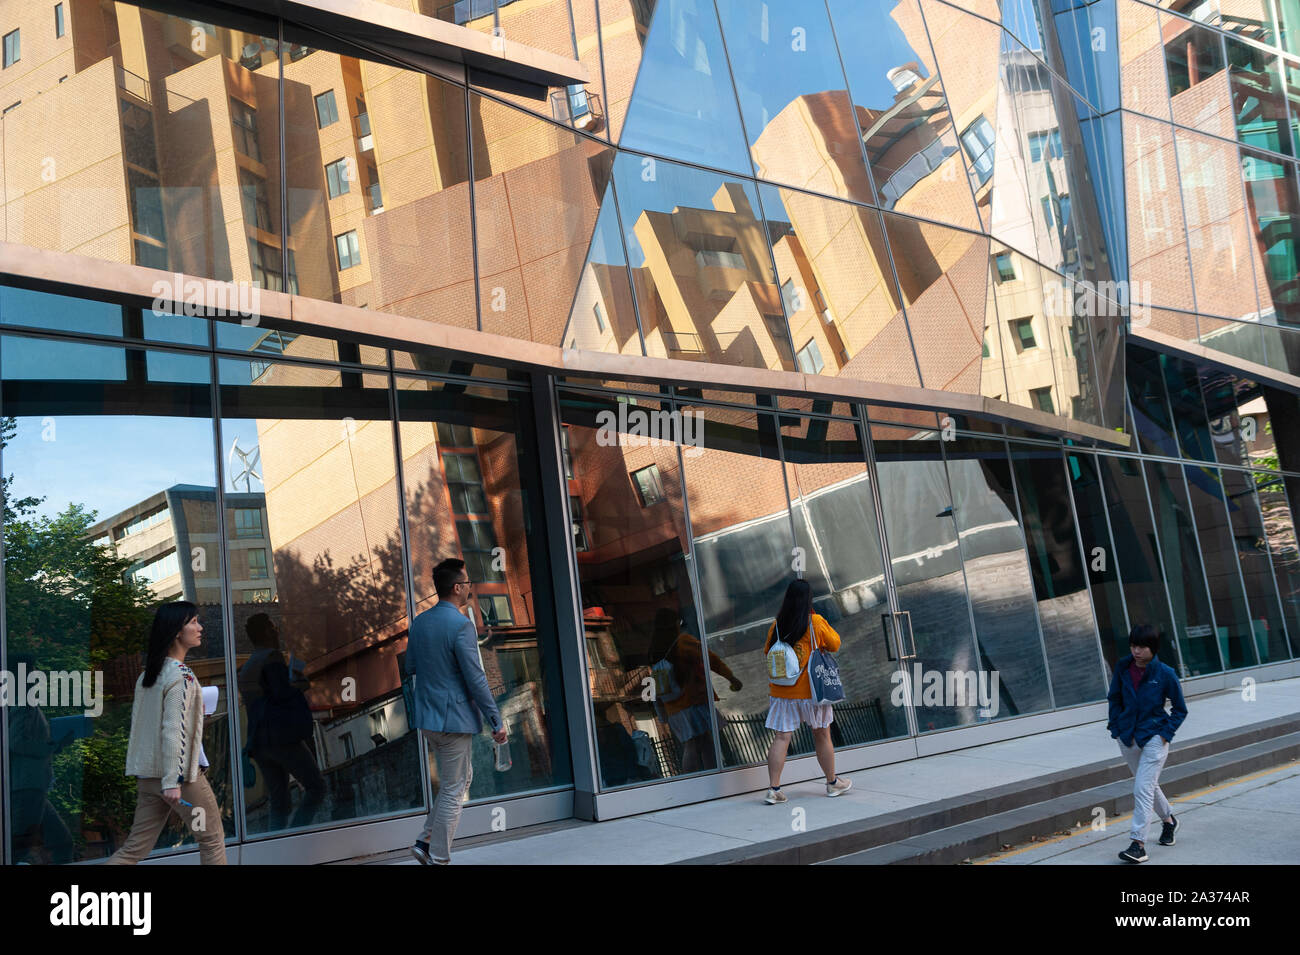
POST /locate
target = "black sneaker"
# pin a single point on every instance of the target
(1134, 853)
(1167, 831)
(421, 852)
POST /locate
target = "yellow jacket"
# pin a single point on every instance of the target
(827, 639)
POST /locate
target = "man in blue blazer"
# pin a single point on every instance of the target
(451, 697)
(1138, 692)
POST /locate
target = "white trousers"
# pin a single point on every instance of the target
(1146, 763)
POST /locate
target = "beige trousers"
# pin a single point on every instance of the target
(151, 812)
(455, 773)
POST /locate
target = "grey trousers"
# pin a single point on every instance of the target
(1146, 764)
(455, 773)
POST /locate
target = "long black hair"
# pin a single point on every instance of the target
(796, 611)
(167, 624)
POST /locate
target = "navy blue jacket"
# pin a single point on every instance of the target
(1137, 715)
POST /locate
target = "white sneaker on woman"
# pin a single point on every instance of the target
(774, 796)
(842, 784)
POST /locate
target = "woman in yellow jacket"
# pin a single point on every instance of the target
(791, 705)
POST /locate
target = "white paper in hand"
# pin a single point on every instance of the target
(210, 695)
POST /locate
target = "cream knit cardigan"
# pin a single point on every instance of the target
(166, 727)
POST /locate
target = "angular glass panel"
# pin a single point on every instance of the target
(1056, 562)
(1157, 239)
(1090, 66)
(1190, 417)
(1143, 85)
(1251, 544)
(967, 52)
(1100, 554)
(266, 342)
(701, 265)
(87, 562)
(1146, 388)
(471, 493)
(567, 28)
(32, 309)
(1103, 149)
(1280, 538)
(633, 550)
(537, 191)
(837, 287)
(624, 27)
(1248, 18)
(684, 106)
(1220, 391)
(1258, 101)
(1218, 233)
(1199, 91)
(835, 524)
(1199, 650)
(927, 566)
(1236, 631)
(943, 276)
(1137, 552)
(603, 317)
(997, 573)
(1273, 208)
(1022, 326)
(171, 127)
(1245, 340)
(318, 593)
(796, 110)
(901, 110)
(399, 240)
(743, 550)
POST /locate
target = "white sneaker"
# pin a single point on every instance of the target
(842, 784)
(774, 796)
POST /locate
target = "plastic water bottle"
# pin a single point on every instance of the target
(502, 756)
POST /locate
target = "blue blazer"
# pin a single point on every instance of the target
(1137, 715)
(451, 691)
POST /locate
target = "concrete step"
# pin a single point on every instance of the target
(888, 830)
(983, 836)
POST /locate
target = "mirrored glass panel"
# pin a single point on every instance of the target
(1273, 207)
(1057, 565)
(1234, 626)
(901, 111)
(701, 265)
(644, 646)
(87, 562)
(1143, 84)
(1184, 572)
(745, 557)
(1157, 242)
(837, 287)
(927, 566)
(1280, 538)
(1268, 633)
(318, 594)
(683, 105)
(997, 573)
(472, 493)
(1100, 555)
(796, 111)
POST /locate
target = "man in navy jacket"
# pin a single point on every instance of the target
(1138, 692)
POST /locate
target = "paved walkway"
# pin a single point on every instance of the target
(687, 832)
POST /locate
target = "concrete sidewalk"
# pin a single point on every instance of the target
(690, 832)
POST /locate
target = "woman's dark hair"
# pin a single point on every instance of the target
(1145, 635)
(666, 631)
(796, 611)
(167, 623)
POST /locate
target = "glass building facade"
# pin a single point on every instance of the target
(977, 316)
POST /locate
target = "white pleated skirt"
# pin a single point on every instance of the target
(784, 716)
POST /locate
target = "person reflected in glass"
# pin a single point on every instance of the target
(681, 688)
(165, 750)
(789, 706)
(280, 727)
(452, 698)
(31, 777)
(1139, 690)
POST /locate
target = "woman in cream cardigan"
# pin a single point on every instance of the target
(165, 751)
